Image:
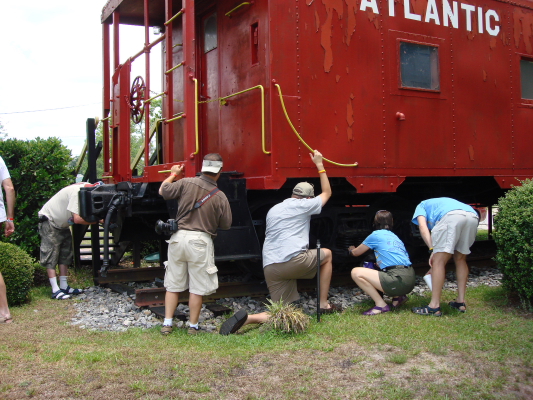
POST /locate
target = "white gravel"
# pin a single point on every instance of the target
(104, 310)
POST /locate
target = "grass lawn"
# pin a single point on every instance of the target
(486, 353)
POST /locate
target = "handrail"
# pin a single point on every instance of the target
(182, 115)
(246, 3)
(221, 99)
(298, 135)
(155, 97)
(175, 67)
(175, 16)
(140, 152)
(196, 114)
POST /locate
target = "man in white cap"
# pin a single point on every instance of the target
(191, 258)
(286, 253)
(55, 219)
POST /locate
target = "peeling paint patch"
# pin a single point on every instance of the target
(309, 2)
(352, 96)
(349, 114)
(349, 132)
(523, 28)
(326, 34)
(350, 28)
(492, 42)
(317, 21)
(338, 78)
(347, 70)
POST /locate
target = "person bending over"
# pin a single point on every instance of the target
(286, 253)
(396, 276)
(449, 228)
(55, 219)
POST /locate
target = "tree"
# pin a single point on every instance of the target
(39, 168)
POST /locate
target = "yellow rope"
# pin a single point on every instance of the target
(298, 135)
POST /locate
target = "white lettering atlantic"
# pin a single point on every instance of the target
(486, 20)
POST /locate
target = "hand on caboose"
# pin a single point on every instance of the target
(177, 169)
(316, 158)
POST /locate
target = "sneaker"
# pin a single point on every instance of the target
(193, 331)
(233, 324)
(166, 330)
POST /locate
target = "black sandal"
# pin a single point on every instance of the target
(427, 310)
(458, 306)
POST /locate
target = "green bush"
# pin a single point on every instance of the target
(17, 269)
(38, 169)
(514, 238)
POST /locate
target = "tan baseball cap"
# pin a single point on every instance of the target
(304, 189)
(212, 166)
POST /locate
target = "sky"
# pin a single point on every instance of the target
(52, 60)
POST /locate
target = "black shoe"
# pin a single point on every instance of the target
(233, 324)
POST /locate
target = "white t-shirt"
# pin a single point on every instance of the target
(4, 174)
(287, 229)
(62, 205)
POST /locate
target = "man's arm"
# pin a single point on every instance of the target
(175, 171)
(424, 230)
(324, 181)
(79, 220)
(10, 200)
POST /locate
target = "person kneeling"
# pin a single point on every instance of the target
(395, 277)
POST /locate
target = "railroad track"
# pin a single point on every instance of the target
(482, 256)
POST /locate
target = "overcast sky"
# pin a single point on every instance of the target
(52, 60)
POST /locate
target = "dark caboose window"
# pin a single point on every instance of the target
(210, 33)
(419, 66)
(526, 76)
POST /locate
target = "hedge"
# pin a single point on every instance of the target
(513, 233)
(17, 269)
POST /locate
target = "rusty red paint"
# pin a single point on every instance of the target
(523, 29)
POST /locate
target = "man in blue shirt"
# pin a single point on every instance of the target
(449, 228)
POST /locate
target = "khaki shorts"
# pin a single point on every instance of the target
(56, 245)
(282, 278)
(191, 263)
(455, 231)
(397, 281)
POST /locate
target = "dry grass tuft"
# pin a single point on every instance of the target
(286, 318)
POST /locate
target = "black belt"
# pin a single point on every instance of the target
(394, 267)
(43, 218)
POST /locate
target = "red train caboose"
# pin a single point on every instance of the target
(408, 99)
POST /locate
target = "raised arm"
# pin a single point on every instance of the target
(175, 171)
(324, 181)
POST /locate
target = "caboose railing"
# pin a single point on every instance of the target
(263, 139)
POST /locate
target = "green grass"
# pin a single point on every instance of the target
(486, 353)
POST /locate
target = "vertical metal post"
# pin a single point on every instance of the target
(489, 221)
(168, 149)
(106, 95)
(318, 280)
(147, 80)
(91, 149)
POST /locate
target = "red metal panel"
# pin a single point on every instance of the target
(240, 118)
(121, 124)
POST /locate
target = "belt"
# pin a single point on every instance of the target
(394, 267)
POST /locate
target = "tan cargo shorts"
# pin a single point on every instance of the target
(191, 263)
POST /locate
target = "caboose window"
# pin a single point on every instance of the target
(210, 33)
(526, 75)
(419, 66)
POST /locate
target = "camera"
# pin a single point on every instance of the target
(166, 228)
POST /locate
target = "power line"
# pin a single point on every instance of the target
(48, 109)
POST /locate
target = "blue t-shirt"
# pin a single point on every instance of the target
(388, 248)
(435, 209)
